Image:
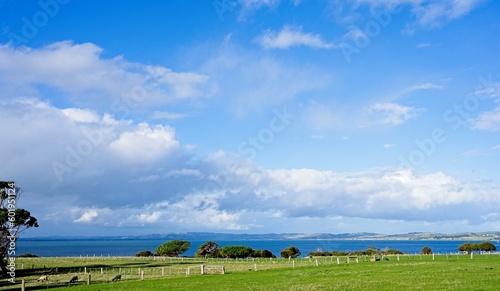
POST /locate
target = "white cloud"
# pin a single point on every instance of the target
(145, 144)
(149, 217)
(80, 71)
(425, 86)
(87, 216)
(489, 121)
(81, 115)
(426, 13)
(473, 153)
(389, 145)
(168, 115)
(392, 113)
(435, 13)
(292, 36)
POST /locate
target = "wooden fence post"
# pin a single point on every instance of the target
(89, 280)
(142, 275)
(23, 285)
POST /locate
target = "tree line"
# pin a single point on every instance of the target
(210, 249)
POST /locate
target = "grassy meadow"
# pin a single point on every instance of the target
(415, 272)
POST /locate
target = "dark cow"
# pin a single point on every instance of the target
(73, 280)
(118, 277)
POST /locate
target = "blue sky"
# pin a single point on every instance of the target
(252, 116)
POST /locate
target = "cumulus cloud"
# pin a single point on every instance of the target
(290, 36)
(81, 72)
(87, 216)
(145, 144)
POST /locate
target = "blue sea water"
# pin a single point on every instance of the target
(120, 247)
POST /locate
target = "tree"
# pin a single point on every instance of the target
(145, 253)
(236, 252)
(290, 252)
(465, 247)
(13, 222)
(208, 250)
(173, 248)
(426, 251)
(487, 246)
(266, 254)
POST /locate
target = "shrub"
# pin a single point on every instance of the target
(27, 256)
(290, 252)
(392, 252)
(144, 253)
(426, 251)
(236, 252)
(319, 254)
(267, 254)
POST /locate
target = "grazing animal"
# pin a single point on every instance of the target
(118, 277)
(43, 278)
(73, 280)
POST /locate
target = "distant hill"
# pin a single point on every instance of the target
(207, 236)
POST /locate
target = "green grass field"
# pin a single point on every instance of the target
(453, 272)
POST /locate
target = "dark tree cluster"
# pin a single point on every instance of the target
(475, 247)
(208, 249)
(370, 251)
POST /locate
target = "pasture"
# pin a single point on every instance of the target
(410, 272)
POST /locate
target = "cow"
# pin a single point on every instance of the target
(118, 277)
(43, 278)
(73, 280)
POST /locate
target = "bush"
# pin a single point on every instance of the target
(338, 253)
(290, 252)
(426, 251)
(266, 254)
(392, 252)
(144, 253)
(236, 252)
(27, 256)
(319, 254)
